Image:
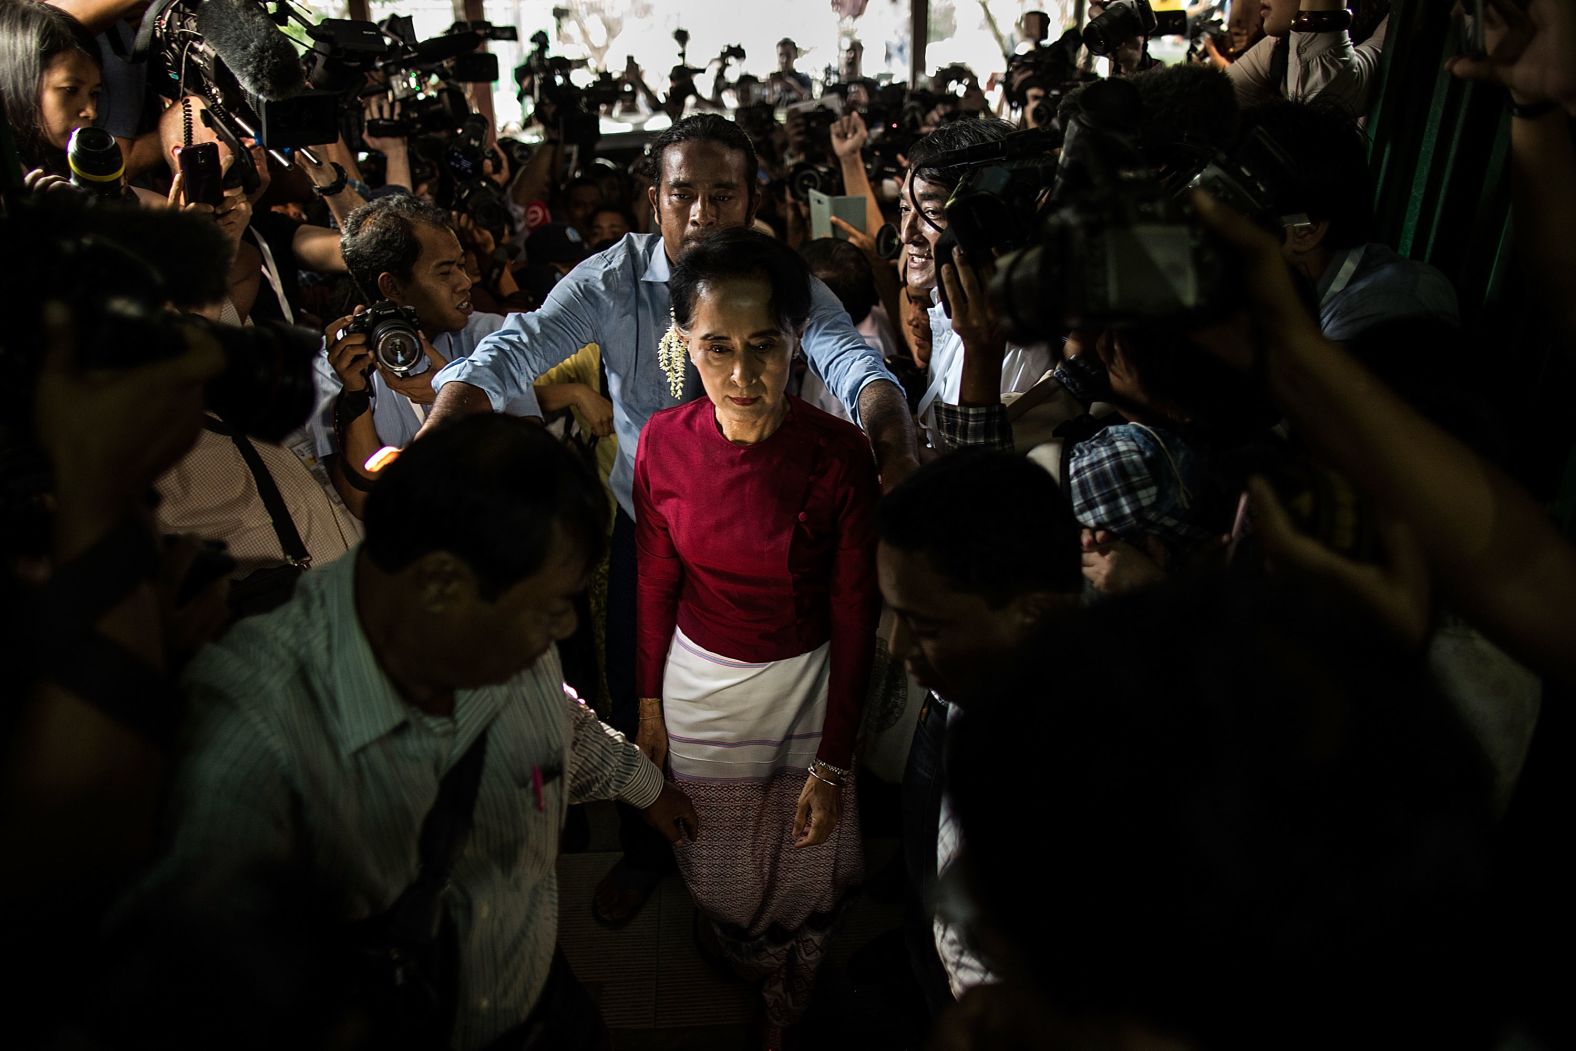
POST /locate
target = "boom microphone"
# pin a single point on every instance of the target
(263, 59)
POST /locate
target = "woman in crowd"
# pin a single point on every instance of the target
(757, 613)
(50, 78)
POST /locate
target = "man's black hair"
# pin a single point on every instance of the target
(742, 252)
(1329, 161)
(1264, 810)
(380, 237)
(1189, 113)
(992, 523)
(846, 271)
(708, 127)
(953, 135)
(511, 484)
(32, 35)
(579, 181)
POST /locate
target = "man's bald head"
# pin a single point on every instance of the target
(172, 131)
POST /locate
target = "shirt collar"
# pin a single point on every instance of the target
(658, 269)
(366, 705)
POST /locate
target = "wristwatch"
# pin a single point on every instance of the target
(337, 186)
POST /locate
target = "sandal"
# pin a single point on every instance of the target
(632, 886)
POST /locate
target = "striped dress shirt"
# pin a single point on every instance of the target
(300, 752)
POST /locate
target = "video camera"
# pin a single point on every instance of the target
(232, 54)
(1119, 248)
(562, 105)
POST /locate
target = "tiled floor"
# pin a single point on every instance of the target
(656, 992)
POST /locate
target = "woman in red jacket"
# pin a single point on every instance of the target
(756, 617)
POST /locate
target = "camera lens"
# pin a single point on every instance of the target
(266, 389)
(95, 161)
(397, 346)
(1105, 34)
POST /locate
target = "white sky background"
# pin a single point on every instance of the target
(614, 29)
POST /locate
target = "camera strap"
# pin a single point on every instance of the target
(290, 541)
(271, 274)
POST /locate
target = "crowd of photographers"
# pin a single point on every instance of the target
(1240, 661)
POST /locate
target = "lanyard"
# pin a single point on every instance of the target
(271, 272)
(1343, 276)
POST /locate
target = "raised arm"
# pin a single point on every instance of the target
(1490, 546)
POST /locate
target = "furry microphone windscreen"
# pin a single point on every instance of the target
(263, 59)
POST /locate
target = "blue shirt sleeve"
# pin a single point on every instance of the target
(837, 352)
(507, 363)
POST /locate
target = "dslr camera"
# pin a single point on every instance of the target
(394, 334)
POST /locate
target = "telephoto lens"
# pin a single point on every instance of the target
(95, 161)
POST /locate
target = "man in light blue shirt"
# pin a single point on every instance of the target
(618, 299)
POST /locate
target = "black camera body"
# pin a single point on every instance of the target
(394, 334)
(1132, 255)
(1125, 19)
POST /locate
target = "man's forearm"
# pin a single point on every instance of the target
(95, 15)
(455, 399)
(1543, 169)
(883, 412)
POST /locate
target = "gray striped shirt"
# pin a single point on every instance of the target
(300, 751)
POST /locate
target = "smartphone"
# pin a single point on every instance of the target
(823, 206)
(204, 179)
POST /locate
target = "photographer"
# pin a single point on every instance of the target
(970, 333)
(50, 78)
(787, 85)
(1315, 49)
(403, 252)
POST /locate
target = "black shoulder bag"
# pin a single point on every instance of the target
(409, 955)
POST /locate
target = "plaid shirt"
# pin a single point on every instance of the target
(965, 426)
(1135, 481)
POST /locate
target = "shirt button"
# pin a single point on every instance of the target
(804, 516)
(483, 911)
(483, 1003)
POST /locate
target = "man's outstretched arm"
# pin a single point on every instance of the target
(883, 410)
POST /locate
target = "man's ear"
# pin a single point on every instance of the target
(443, 583)
(755, 196)
(656, 209)
(1033, 608)
(388, 285)
(1305, 237)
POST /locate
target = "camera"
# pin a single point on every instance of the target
(394, 334)
(1120, 249)
(232, 54)
(1124, 20)
(117, 267)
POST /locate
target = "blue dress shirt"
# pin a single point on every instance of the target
(618, 299)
